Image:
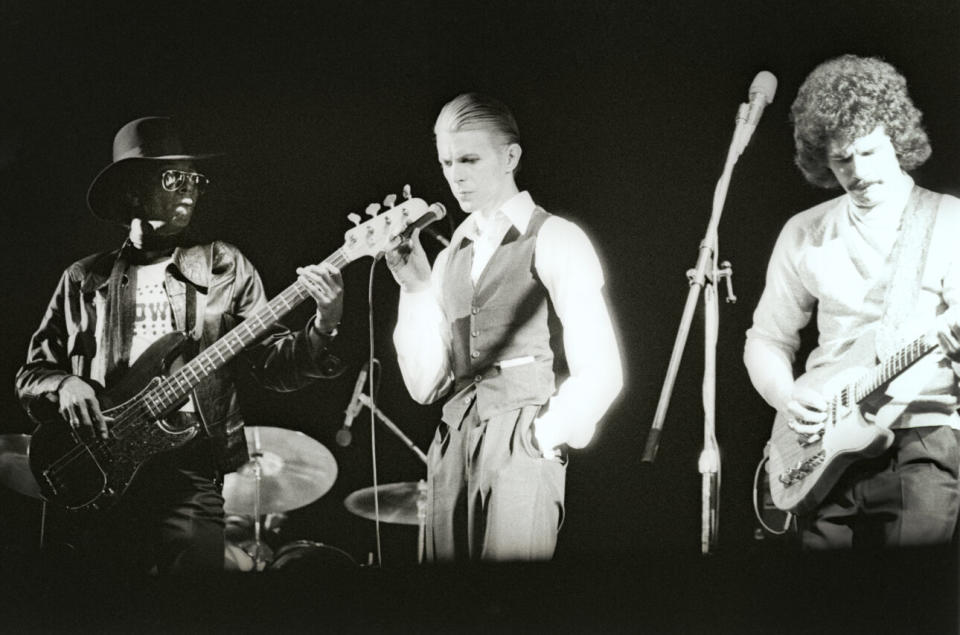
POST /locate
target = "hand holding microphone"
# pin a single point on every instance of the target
(344, 436)
(408, 261)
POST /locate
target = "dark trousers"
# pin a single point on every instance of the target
(907, 497)
(171, 520)
(491, 495)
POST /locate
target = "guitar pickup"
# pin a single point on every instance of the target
(806, 440)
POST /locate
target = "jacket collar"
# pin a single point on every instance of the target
(191, 264)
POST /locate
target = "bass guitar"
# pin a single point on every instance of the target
(803, 468)
(79, 474)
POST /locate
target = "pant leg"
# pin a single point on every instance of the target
(446, 522)
(190, 528)
(838, 522)
(187, 518)
(916, 501)
(519, 493)
(907, 497)
(830, 526)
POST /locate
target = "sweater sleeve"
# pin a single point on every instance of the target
(784, 309)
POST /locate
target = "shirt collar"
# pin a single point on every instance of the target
(516, 211)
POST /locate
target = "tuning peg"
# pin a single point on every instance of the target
(406, 192)
(354, 218)
(390, 200)
(372, 209)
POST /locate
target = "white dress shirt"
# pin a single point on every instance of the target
(570, 270)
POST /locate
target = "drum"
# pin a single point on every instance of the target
(242, 556)
(236, 559)
(307, 556)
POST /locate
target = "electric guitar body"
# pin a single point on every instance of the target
(802, 468)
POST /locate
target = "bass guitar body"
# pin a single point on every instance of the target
(78, 472)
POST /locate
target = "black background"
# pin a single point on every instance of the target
(625, 111)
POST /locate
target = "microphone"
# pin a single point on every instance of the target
(762, 90)
(438, 211)
(434, 213)
(437, 236)
(344, 435)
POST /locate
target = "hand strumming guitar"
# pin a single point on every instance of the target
(806, 411)
(80, 407)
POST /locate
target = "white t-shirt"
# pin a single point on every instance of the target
(154, 315)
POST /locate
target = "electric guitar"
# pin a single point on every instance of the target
(80, 474)
(803, 468)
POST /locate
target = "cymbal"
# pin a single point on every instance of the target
(295, 470)
(14, 468)
(398, 502)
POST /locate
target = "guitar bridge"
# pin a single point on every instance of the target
(802, 469)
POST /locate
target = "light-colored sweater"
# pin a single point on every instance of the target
(836, 258)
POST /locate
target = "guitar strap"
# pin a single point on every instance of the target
(907, 262)
(121, 308)
(196, 303)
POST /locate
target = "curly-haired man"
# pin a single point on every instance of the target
(879, 264)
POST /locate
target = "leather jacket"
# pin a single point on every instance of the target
(215, 285)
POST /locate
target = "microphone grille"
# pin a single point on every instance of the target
(765, 83)
(439, 210)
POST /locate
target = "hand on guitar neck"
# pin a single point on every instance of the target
(325, 285)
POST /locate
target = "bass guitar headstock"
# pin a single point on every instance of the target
(388, 227)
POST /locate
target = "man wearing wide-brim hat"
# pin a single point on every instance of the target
(108, 308)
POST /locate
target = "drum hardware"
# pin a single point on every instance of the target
(397, 503)
(303, 556)
(287, 470)
(16, 475)
(14, 466)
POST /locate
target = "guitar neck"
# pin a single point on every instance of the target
(892, 366)
(174, 388)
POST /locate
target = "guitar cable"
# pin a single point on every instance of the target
(756, 504)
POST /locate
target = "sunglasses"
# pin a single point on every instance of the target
(173, 180)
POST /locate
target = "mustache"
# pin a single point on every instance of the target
(860, 184)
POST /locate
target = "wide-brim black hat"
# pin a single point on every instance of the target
(138, 143)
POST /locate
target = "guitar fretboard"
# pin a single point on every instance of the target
(891, 367)
(172, 389)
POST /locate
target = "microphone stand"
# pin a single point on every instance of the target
(364, 400)
(704, 277)
(259, 561)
